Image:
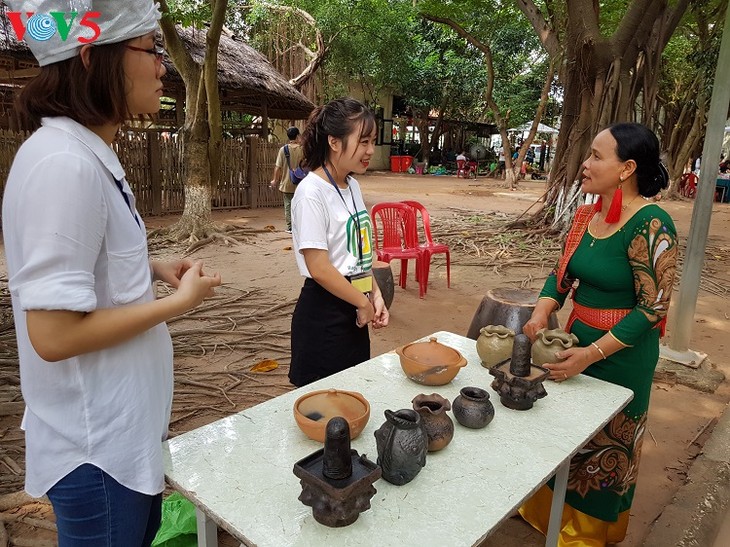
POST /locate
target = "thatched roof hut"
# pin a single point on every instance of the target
(248, 82)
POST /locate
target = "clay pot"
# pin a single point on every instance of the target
(472, 408)
(494, 344)
(313, 410)
(384, 278)
(430, 363)
(509, 307)
(439, 427)
(402, 445)
(550, 341)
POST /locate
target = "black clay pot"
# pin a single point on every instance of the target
(473, 408)
(402, 445)
(384, 277)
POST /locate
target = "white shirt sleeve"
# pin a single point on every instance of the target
(61, 218)
(312, 219)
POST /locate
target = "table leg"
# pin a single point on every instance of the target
(207, 530)
(556, 509)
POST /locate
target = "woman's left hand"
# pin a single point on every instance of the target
(171, 272)
(382, 316)
(576, 360)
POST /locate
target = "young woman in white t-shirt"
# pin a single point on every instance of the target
(95, 354)
(332, 233)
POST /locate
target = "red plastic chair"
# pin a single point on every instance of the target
(395, 237)
(688, 185)
(466, 169)
(429, 247)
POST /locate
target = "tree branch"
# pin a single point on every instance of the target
(175, 47)
(544, 30)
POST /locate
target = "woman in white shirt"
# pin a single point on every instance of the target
(332, 233)
(95, 354)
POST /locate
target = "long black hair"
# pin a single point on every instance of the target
(639, 143)
(338, 119)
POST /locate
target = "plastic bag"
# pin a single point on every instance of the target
(179, 527)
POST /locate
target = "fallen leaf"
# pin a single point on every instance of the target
(265, 366)
(287, 248)
(270, 227)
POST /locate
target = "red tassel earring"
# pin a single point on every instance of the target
(614, 211)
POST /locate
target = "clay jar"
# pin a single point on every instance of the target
(472, 408)
(494, 344)
(384, 277)
(550, 341)
(402, 445)
(438, 425)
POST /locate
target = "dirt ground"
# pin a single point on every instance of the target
(680, 418)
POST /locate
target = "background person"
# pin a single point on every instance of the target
(332, 233)
(281, 176)
(624, 252)
(95, 355)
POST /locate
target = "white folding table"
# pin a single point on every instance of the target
(238, 470)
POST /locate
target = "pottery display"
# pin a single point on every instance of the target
(550, 341)
(337, 483)
(472, 408)
(384, 278)
(509, 307)
(313, 411)
(402, 445)
(518, 381)
(430, 363)
(438, 425)
(494, 344)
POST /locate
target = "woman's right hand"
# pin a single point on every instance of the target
(195, 286)
(539, 320)
(365, 314)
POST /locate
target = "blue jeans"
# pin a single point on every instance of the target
(94, 510)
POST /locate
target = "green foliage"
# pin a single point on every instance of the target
(190, 13)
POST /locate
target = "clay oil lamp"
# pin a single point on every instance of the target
(430, 363)
(314, 410)
(337, 483)
(517, 380)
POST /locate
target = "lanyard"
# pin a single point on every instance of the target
(354, 217)
(126, 200)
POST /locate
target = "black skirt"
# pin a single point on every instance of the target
(324, 336)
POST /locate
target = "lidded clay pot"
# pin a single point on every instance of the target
(472, 408)
(430, 363)
(550, 341)
(494, 344)
(438, 425)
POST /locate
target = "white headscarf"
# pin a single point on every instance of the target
(118, 20)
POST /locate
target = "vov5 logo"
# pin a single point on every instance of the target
(43, 26)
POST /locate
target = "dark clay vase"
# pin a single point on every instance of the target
(438, 425)
(384, 277)
(473, 408)
(402, 445)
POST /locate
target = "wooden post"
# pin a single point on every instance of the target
(252, 171)
(265, 122)
(153, 155)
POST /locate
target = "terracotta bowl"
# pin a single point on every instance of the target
(313, 410)
(430, 363)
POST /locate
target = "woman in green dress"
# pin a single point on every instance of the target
(623, 250)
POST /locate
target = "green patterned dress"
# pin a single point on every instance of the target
(631, 269)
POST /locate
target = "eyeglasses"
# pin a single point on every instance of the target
(158, 52)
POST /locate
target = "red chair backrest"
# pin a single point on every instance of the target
(688, 178)
(425, 218)
(398, 222)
